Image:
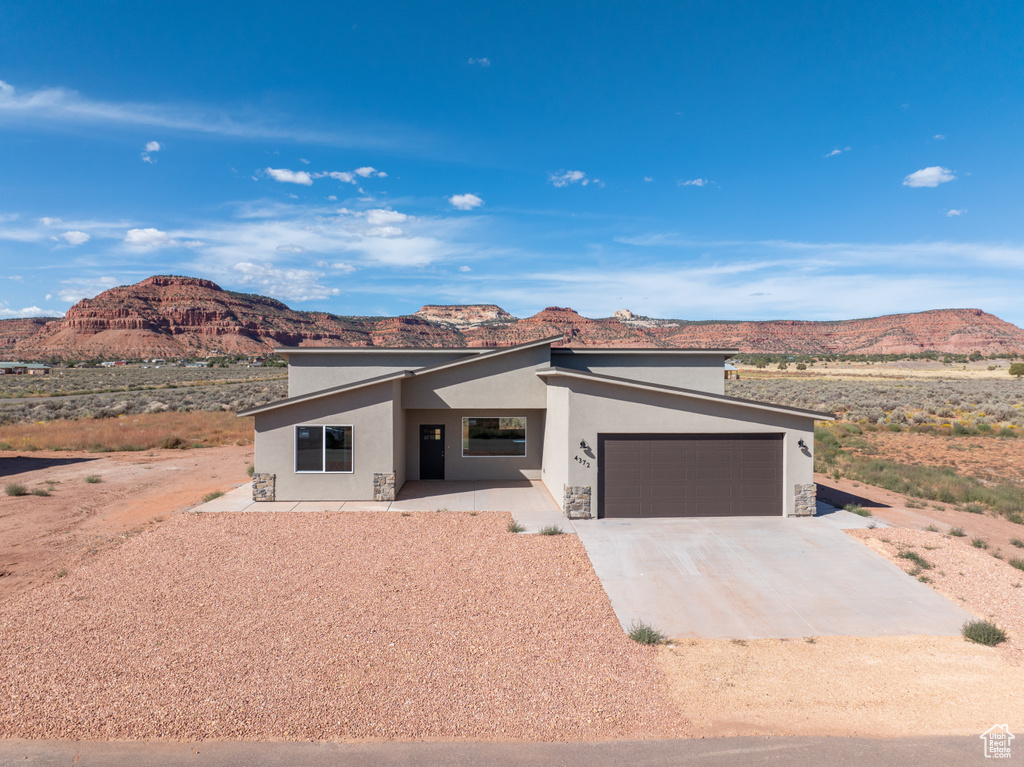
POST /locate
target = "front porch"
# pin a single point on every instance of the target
(528, 501)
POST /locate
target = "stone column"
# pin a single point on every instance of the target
(384, 487)
(576, 501)
(805, 502)
(263, 486)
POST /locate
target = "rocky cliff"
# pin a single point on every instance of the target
(169, 316)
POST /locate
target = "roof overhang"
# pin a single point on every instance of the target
(479, 354)
(659, 351)
(626, 383)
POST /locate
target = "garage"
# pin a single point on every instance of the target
(689, 475)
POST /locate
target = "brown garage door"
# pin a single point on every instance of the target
(690, 475)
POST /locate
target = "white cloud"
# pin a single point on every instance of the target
(290, 249)
(75, 238)
(7, 313)
(304, 161)
(939, 137)
(565, 178)
(337, 175)
(148, 238)
(152, 146)
(368, 172)
(929, 177)
(342, 267)
(955, 212)
(286, 176)
(465, 201)
(484, 62)
(47, 221)
(76, 290)
(383, 217)
(648, 178)
(694, 182)
(384, 231)
(292, 284)
(465, 269)
(834, 152)
(60, 106)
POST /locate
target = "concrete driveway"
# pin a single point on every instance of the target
(758, 577)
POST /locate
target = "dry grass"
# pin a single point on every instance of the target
(145, 431)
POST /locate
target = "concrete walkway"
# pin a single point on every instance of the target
(528, 501)
(759, 577)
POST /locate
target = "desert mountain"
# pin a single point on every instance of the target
(184, 316)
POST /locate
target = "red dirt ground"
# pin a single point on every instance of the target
(40, 536)
(989, 458)
(892, 509)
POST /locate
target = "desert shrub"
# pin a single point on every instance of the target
(916, 558)
(1016, 562)
(957, 532)
(983, 632)
(16, 489)
(644, 633)
(212, 496)
(860, 511)
(551, 530)
(1017, 542)
(42, 492)
(979, 543)
(515, 526)
(92, 479)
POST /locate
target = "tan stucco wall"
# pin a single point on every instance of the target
(507, 380)
(555, 471)
(309, 372)
(458, 468)
(369, 411)
(602, 408)
(703, 372)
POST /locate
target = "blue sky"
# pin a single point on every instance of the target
(695, 160)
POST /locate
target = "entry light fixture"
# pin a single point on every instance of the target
(584, 445)
(801, 443)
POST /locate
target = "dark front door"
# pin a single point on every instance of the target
(431, 451)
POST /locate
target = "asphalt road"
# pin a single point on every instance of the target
(708, 752)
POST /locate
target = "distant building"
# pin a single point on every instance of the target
(22, 368)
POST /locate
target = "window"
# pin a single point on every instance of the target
(323, 448)
(493, 437)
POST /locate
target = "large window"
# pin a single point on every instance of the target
(323, 448)
(493, 437)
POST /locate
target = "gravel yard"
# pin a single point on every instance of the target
(344, 626)
(970, 576)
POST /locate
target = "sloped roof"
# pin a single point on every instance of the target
(556, 372)
(468, 360)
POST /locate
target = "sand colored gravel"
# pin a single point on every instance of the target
(869, 686)
(328, 626)
(973, 578)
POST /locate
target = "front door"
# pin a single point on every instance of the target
(431, 451)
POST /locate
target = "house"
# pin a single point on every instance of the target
(23, 368)
(610, 432)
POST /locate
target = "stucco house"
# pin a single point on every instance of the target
(610, 432)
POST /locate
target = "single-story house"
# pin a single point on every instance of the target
(23, 368)
(610, 432)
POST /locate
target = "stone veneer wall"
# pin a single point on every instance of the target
(805, 503)
(384, 487)
(263, 487)
(576, 501)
